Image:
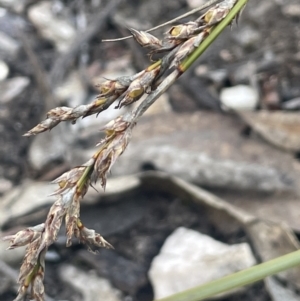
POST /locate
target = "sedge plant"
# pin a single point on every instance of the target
(180, 48)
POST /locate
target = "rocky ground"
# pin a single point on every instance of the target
(230, 125)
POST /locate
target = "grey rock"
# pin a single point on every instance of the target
(121, 216)
(280, 128)
(52, 256)
(280, 292)
(8, 46)
(291, 10)
(33, 196)
(14, 256)
(243, 73)
(12, 88)
(292, 104)
(247, 36)
(16, 5)
(272, 240)
(71, 91)
(53, 28)
(216, 153)
(24, 199)
(217, 76)
(201, 169)
(89, 284)
(260, 9)
(124, 274)
(189, 258)
(49, 147)
(5, 185)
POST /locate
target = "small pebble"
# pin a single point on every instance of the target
(4, 70)
(195, 3)
(239, 98)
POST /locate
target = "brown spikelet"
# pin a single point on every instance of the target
(118, 133)
(24, 237)
(146, 39)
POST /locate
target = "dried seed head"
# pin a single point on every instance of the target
(139, 86)
(115, 126)
(37, 286)
(25, 237)
(109, 155)
(71, 220)
(218, 12)
(29, 262)
(107, 87)
(21, 293)
(91, 238)
(183, 31)
(112, 87)
(32, 274)
(57, 115)
(44, 126)
(184, 50)
(133, 93)
(52, 224)
(118, 133)
(69, 179)
(146, 40)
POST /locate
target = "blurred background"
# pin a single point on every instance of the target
(209, 183)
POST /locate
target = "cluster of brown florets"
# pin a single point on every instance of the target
(179, 42)
(125, 90)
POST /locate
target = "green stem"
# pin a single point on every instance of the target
(213, 35)
(238, 279)
(85, 176)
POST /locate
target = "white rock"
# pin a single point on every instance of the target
(239, 98)
(195, 3)
(4, 70)
(189, 258)
(291, 10)
(51, 27)
(89, 284)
